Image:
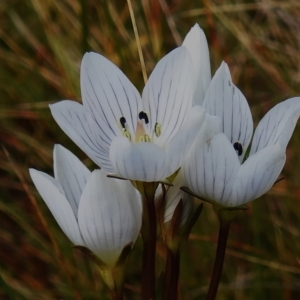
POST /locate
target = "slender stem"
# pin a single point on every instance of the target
(149, 249)
(171, 276)
(220, 254)
(116, 295)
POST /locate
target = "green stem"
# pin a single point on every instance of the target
(171, 276)
(220, 254)
(149, 249)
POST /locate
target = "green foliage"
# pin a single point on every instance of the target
(41, 45)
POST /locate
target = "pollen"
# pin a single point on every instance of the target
(126, 134)
(145, 138)
(157, 129)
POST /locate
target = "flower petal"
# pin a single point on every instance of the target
(168, 94)
(108, 93)
(257, 174)
(71, 173)
(277, 125)
(174, 195)
(53, 195)
(80, 126)
(109, 216)
(142, 161)
(225, 100)
(182, 141)
(196, 43)
(211, 166)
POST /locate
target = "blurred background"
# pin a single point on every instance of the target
(41, 46)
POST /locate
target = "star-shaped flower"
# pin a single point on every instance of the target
(137, 138)
(215, 168)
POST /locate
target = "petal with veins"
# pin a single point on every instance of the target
(71, 173)
(106, 220)
(80, 126)
(142, 161)
(182, 141)
(108, 93)
(53, 195)
(257, 174)
(224, 100)
(277, 125)
(211, 167)
(196, 43)
(168, 94)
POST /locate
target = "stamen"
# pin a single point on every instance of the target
(238, 148)
(123, 122)
(157, 129)
(145, 138)
(126, 134)
(143, 116)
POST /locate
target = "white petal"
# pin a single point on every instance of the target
(257, 174)
(277, 125)
(168, 94)
(174, 195)
(142, 161)
(109, 216)
(71, 173)
(196, 43)
(211, 167)
(108, 93)
(225, 100)
(182, 141)
(80, 126)
(52, 193)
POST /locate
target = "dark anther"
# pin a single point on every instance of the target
(143, 115)
(123, 122)
(238, 148)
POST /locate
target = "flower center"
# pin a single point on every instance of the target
(141, 135)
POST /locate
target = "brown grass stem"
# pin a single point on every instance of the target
(138, 42)
(43, 222)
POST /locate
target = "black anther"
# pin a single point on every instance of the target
(123, 121)
(238, 148)
(143, 115)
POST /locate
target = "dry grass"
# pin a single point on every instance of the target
(41, 45)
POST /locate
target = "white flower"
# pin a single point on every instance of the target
(196, 43)
(137, 138)
(100, 213)
(214, 168)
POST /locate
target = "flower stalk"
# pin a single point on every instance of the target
(149, 234)
(219, 260)
(226, 216)
(171, 275)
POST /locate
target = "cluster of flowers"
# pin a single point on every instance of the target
(185, 124)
